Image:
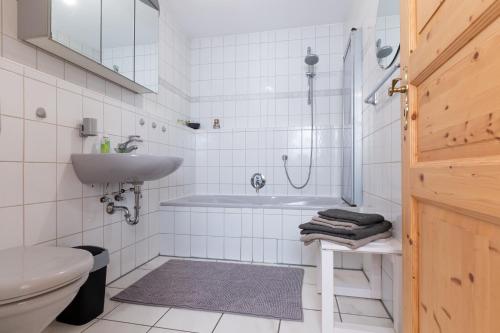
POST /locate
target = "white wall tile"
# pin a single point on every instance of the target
(182, 245)
(246, 249)
(270, 250)
(69, 108)
(68, 185)
(69, 217)
(11, 139)
(232, 248)
(40, 223)
(11, 93)
(40, 142)
(12, 226)
(68, 142)
(215, 224)
(215, 247)
(92, 213)
(291, 252)
(11, 191)
(40, 182)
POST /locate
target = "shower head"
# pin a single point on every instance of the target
(383, 51)
(311, 59)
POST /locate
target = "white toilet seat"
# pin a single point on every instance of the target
(37, 283)
(32, 271)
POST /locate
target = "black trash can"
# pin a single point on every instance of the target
(89, 302)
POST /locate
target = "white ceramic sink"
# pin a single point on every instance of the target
(123, 168)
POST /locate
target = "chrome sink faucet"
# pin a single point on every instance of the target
(124, 147)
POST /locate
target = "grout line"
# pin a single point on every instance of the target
(387, 311)
(338, 308)
(361, 315)
(161, 317)
(279, 326)
(218, 321)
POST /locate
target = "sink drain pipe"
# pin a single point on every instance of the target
(111, 208)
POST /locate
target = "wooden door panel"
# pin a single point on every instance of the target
(425, 10)
(444, 28)
(459, 104)
(459, 263)
(470, 186)
(451, 165)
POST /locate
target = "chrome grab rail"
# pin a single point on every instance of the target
(372, 97)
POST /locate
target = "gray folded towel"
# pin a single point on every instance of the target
(352, 217)
(356, 234)
(353, 244)
(334, 224)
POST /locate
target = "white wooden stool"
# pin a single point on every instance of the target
(325, 278)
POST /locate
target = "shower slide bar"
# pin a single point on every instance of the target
(372, 97)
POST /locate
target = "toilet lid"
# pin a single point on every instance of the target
(28, 271)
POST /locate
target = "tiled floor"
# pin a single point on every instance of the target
(130, 318)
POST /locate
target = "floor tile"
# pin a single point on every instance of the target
(106, 326)
(109, 305)
(364, 320)
(230, 323)
(137, 314)
(129, 279)
(311, 323)
(189, 320)
(155, 263)
(164, 330)
(57, 327)
(351, 278)
(361, 306)
(311, 299)
(309, 274)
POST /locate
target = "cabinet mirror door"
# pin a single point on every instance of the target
(118, 36)
(77, 25)
(146, 44)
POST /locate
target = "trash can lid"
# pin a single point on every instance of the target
(28, 271)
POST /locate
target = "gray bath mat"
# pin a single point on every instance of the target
(256, 290)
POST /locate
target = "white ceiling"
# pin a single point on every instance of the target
(218, 17)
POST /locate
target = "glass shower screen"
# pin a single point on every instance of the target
(352, 186)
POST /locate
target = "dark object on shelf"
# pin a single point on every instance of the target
(89, 302)
(194, 125)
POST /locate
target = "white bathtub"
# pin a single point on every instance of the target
(267, 202)
(243, 228)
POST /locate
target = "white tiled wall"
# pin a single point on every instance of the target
(41, 200)
(381, 139)
(243, 234)
(255, 84)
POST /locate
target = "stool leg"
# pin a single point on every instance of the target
(376, 276)
(327, 297)
(318, 269)
(397, 290)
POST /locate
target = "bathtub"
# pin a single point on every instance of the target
(243, 228)
(265, 202)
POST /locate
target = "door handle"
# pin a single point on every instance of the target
(400, 90)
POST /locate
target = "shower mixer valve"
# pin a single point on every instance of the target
(258, 181)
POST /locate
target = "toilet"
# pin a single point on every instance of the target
(37, 283)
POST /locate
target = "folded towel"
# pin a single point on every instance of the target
(353, 244)
(335, 224)
(353, 217)
(338, 226)
(356, 234)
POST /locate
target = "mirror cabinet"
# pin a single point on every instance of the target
(115, 39)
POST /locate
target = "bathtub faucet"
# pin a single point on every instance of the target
(258, 181)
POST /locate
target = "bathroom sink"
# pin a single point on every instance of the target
(123, 168)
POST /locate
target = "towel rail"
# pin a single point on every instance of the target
(372, 97)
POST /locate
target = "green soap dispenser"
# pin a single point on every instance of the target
(105, 145)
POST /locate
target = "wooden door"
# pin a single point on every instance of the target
(451, 166)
